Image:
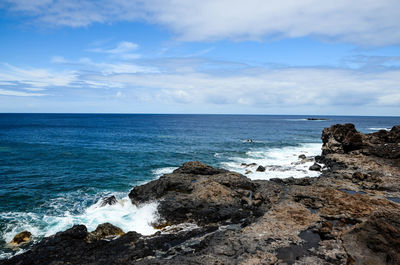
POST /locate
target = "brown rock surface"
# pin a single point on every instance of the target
(20, 239)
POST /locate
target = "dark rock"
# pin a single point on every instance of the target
(260, 169)
(76, 232)
(315, 167)
(111, 200)
(302, 156)
(198, 168)
(20, 239)
(317, 119)
(341, 139)
(106, 230)
(210, 198)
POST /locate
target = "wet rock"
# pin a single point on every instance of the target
(106, 230)
(315, 167)
(302, 156)
(260, 169)
(111, 200)
(21, 239)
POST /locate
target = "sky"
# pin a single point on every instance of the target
(306, 57)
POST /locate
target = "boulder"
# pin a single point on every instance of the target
(106, 230)
(315, 167)
(111, 200)
(260, 169)
(302, 156)
(21, 239)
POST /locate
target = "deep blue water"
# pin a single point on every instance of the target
(53, 165)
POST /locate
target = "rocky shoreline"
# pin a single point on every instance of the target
(348, 215)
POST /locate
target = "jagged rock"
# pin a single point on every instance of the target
(315, 167)
(260, 169)
(341, 139)
(345, 138)
(21, 239)
(111, 200)
(106, 230)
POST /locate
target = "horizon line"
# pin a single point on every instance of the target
(232, 114)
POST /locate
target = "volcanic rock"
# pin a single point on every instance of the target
(260, 169)
(315, 167)
(21, 239)
(106, 230)
(111, 200)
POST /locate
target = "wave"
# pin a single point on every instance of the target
(295, 119)
(278, 162)
(122, 214)
(378, 129)
(158, 172)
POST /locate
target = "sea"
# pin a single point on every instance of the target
(56, 168)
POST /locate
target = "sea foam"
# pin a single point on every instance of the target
(279, 162)
(378, 129)
(161, 171)
(122, 214)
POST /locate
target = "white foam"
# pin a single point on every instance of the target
(164, 170)
(279, 162)
(122, 214)
(378, 129)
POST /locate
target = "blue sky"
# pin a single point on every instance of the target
(170, 56)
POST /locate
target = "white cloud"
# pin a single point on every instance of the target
(364, 22)
(251, 87)
(279, 87)
(5, 92)
(35, 78)
(122, 50)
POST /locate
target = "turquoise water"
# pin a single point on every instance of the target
(54, 168)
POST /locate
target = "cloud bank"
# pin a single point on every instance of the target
(362, 22)
(250, 87)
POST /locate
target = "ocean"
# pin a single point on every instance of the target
(55, 168)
